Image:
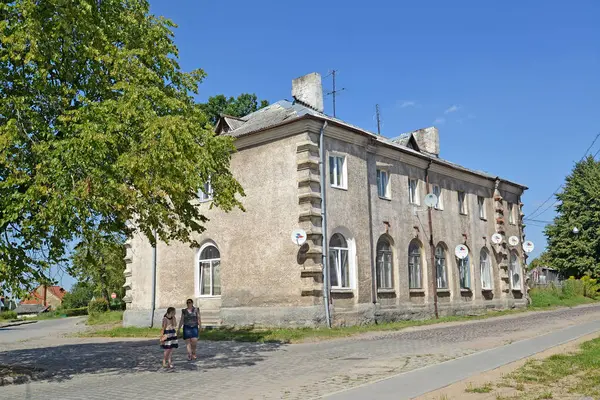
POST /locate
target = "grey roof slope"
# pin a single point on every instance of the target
(285, 111)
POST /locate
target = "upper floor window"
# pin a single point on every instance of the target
(338, 172)
(437, 190)
(383, 183)
(206, 193)
(481, 206)
(413, 191)
(462, 203)
(511, 213)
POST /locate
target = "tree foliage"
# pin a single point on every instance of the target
(243, 105)
(79, 296)
(98, 127)
(579, 206)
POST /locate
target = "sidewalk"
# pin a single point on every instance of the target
(418, 382)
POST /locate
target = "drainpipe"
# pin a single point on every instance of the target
(153, 306)
(432, 246)
(324, 244)
(371, 242)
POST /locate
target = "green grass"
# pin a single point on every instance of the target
(545, 298)
(111, 317)
(487, 388)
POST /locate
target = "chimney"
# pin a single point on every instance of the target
(308, 91)
(428, 140)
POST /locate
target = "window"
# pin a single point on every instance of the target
(481, 206)
(206, 193)
(414, 265)
(337, 171)
(384, 264)
(437, 190)
(462, 204)
(514, 269)
(464, 272)
(440, 267)
(511, 213)
(413, 191)
(339, 270)
(210, 275)
(486, 269)
(383, 183)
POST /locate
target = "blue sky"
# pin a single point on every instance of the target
(514, 87)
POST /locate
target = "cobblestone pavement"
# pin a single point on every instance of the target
(103, 368)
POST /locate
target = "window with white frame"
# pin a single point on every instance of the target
(383, 183)
(437, 190)
(210, 274)
(413, 191)
(485, 266)
(464, 273)
(440, 267)
(511, 213)
(337, 171)
(462, 203)
(514, 268)
(206, 193)
(415, 280)
(339, 265)
(384, 264)
(481, 207)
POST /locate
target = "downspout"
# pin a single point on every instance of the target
(371, 241)
(324, 244)
(153, 303)
(432, 246)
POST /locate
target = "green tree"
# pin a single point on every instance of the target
(79, 296)
(100, 259)
(98, 129)
(579, 206)
(540, 261)
(243, 105)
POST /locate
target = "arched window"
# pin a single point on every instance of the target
(440, 267)
(339, 269)
(415, 280)
(464, 272)
(486, 269)
(514, 268)
(384, 264)
(210, 274)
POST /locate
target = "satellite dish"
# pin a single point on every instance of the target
(528, 246)
(431, 200)
(513, 240)
(496, 238)
(461, 251)
(298, 236)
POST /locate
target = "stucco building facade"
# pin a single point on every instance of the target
(360, 199)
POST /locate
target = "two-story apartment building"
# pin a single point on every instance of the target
(374, 252)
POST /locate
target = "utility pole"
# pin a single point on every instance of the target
(334, 91)
(378, 119)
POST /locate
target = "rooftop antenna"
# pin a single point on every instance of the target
(333, 91)
(378, 116)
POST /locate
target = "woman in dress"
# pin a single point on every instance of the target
(168, 337)
(190, 318)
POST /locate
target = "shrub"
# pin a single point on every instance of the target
(98, 306)
(8, 315)
(590, 287)
(117, 305)
(572, 288)
(75, 312)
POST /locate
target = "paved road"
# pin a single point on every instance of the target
(11, 336)
(101, 369)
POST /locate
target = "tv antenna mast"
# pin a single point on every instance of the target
(334, 91)
(378, 116)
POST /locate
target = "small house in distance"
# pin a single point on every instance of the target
(51, 296)
(374, 251)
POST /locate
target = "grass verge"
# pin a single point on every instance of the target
(111, 317)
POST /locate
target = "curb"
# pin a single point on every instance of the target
(17, 324)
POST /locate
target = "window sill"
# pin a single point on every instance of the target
(517, 290)
(208, 296)
(463, 214)
(416, 290)
(205, 201)
(487, 290)
(385, 198)
(386, 290)
(462, 290)
(443, 290)
(483, 218)
(341, 290)
(438, 209)
(339, 187)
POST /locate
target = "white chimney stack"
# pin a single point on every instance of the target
(308, 91)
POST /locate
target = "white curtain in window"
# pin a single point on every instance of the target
(486, 269)
(440, 266)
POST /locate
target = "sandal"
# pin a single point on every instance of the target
(193, 356)
(189, 357)
(164, 364)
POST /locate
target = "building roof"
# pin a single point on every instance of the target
(30, 308)
(284, 112)
(37, 296)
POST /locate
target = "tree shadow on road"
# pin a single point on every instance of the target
(61, 363)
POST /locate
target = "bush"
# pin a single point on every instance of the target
(572, 288)
(117, 305)
(590, 287)
(75, 312)
(98, 306)
(8, 315)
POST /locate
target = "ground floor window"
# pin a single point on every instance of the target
(440, 267)
(464, 272)
(415, 280)
(514, 268)
(486, 269)
(210, 274)
(339, 269)
(384, 264)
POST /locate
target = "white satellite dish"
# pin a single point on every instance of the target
(496, 238)
(528, 246)
(299, 236)
(513, 240)
(431, 200)
(461, 251)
